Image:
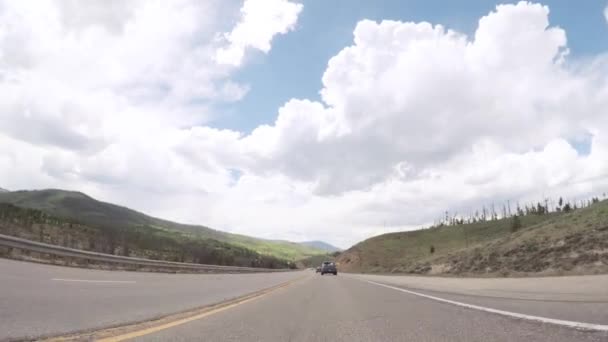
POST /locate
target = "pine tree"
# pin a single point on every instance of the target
(515, 223)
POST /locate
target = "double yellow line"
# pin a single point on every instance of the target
(136, 330)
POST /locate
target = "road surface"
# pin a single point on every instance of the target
(43, 300)
(312, 308)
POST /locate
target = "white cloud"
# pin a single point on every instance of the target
(415, 119)
(79, 83)
(260, 21)
(416, 95)
(97, 94)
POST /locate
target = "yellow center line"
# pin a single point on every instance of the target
(214, 311)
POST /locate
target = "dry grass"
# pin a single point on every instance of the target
(564, 243)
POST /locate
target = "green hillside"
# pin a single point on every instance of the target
(556, 243)
(136, 241)
(81, 208)
(328, 248)
(317, 260)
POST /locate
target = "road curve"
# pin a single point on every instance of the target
(342, 308)
(573, 298)
(38, 300)
(44, 300)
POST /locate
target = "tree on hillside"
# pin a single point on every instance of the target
(540, 210)
(520, 211)
(515, 223)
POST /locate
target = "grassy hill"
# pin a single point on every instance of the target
(316, 260)
(81, 208)
(556, 243)
(321, 245)
(281, 249)
(136, 241)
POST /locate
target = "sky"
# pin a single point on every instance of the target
(305, 120)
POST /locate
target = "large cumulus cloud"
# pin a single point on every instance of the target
(414, 118)
(412, 95)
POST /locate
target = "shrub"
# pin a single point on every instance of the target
(515, 223)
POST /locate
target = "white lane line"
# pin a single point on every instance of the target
(95, 281)
(570, 324)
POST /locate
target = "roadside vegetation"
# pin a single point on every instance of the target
(317, 260)
(115, 224)
(135, 241)
(540, 239)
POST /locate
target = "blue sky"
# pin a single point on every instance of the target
(295, 65)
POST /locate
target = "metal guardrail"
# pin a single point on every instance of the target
(34, 246)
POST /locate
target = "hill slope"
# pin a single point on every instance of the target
(3, 190)
(324, 246)
(558, 243)
(138, 241)
(81, 208)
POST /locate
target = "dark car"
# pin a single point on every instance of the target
(329, 267)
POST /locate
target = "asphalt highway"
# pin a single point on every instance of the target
(343, 308)
(45, 300)
(38, 299)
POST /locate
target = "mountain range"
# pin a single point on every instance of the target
(82, 208)
(324, 246)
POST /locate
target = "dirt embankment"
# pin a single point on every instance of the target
(565, 244)
(577, 253)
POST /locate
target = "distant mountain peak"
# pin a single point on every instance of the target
(3, 190)
(321, 245)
